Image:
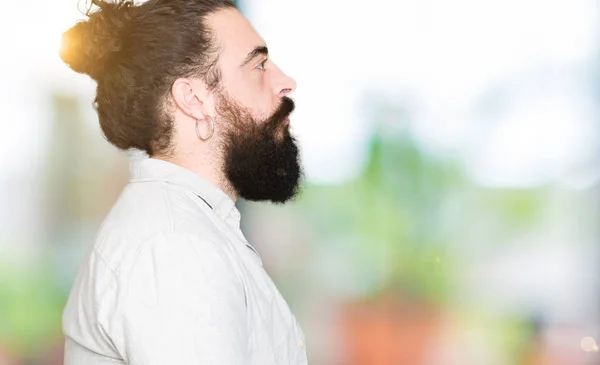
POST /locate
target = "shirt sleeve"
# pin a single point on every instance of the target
(180, 303)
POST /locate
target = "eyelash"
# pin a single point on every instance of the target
(262, 64)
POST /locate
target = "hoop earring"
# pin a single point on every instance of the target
(212, 128)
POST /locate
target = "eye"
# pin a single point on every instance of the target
(261, 66)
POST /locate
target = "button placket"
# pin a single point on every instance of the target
(234, 219)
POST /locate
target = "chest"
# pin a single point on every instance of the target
(275, 336)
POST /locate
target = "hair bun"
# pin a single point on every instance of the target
(89, 46)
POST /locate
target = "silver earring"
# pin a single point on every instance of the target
(212, 128)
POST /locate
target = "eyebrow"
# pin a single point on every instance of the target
(257, 51)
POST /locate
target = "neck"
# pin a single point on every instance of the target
(207, 169)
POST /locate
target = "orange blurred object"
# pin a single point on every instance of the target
(387, 332)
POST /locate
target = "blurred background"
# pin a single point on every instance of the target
(450, 209)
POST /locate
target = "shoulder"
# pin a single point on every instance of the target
(180, 268)
(150, 217)
(147, 207)
(165, 254)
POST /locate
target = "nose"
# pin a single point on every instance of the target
(285, 85)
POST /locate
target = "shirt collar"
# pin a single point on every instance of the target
(153, 169)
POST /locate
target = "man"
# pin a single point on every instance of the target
(170, 278)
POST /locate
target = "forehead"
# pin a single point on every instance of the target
(234, 34)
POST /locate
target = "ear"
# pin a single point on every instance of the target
(192, 98)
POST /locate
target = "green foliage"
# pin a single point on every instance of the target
(392, 213)
(31, 305)
(403, 216)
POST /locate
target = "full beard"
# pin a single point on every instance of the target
(261, 158)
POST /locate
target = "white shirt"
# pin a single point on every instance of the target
(171, 280)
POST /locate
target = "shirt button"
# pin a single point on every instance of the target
(302, 345)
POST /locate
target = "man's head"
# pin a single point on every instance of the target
(170, 72)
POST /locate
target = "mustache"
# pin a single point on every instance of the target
(284, 109)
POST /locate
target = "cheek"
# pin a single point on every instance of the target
(260, 106)
(262, 92)
(254, 94)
